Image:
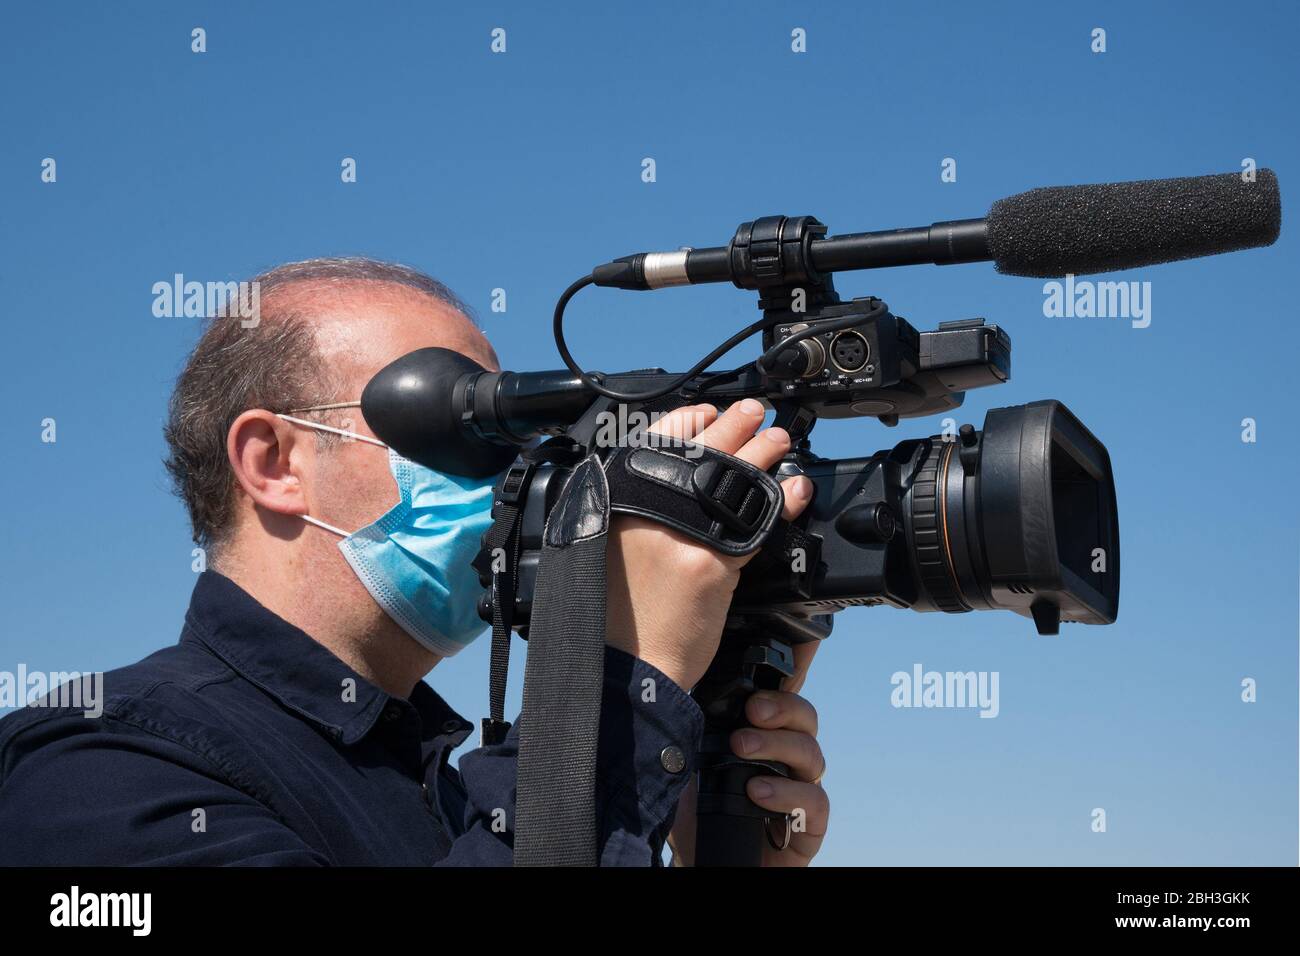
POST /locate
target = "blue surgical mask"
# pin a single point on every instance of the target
(415, 559)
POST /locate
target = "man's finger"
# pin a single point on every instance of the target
(685, 422)
(735, 427)
(803, 658)
(797, 751)
(798, 492)
(765, 449)
(806, 801)
(781, 710)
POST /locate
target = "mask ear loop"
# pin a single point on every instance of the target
(321, 524)
(337, 431)
(330, 428)
(325, 408)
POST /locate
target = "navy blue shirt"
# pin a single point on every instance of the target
(249, 743)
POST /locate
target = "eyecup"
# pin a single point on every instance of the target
(413, 404)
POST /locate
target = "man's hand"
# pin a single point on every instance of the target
(667, 602)
(667, 594)
(785, 730)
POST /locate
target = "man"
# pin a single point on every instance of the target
(290, 724)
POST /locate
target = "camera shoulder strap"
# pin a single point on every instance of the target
(555, 807)
(713, 498)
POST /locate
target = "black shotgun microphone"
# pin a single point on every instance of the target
(1110, 226)
(1044, 232)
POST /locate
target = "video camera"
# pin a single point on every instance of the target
(1019, 514)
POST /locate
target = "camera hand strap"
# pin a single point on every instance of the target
(713, 498)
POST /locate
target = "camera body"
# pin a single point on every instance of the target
(1019, 515)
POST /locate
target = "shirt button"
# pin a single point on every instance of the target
(672, 759)
(392, 712)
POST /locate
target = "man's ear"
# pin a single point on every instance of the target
(269, 461)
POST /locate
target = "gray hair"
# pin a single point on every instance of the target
(273, 363)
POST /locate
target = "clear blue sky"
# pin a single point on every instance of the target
(522, 171)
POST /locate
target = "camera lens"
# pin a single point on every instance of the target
(1020, 516)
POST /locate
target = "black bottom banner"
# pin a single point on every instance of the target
(1167, 905)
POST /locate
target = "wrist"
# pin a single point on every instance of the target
(683, 673)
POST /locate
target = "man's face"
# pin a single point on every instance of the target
(359, 330)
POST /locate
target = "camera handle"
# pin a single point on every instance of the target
(730, 830)
(756, 653)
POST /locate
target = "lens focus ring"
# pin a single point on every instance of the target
(929, 537)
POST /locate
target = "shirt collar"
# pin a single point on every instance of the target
(295, 669)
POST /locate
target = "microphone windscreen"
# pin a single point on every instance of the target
(1083, 229)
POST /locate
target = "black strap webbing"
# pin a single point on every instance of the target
(555, 813)
(503, 547)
